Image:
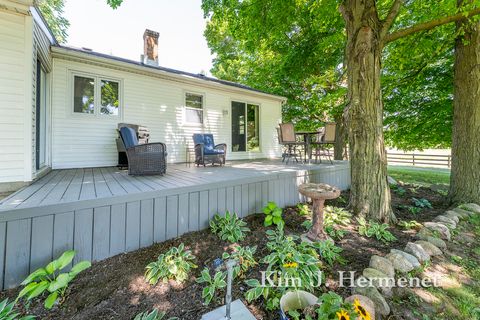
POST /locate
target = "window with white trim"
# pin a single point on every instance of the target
(96, 95)
(194, 108)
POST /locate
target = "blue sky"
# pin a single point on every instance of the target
(93, 24)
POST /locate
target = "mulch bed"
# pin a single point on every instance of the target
(116, 289)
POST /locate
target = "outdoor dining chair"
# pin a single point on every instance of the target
(206, 150)
(324, 141)
(288, 139)
(143, 159)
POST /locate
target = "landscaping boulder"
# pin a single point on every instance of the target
(399, 262)
(381, 305)
(429, 248)
(442, 229)
(365, 302)
(473, 207)
(462, 213)
(380, 280)
(392, 181)
(452, 215)
(417, 251)
(446, 221)
(383, 265)
(411, 258)
(437, 242)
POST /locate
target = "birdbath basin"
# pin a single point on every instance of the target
(318, 192)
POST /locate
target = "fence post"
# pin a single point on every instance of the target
(413, 158)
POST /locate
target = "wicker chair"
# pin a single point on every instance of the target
(143, 159)
(207, 151)
(288, 138)
(326, 139)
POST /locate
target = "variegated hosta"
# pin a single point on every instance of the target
(175, 264)
(230, 227)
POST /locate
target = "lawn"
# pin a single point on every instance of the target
(420, 176)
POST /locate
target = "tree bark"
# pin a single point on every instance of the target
(370, 194)
(339, 146)
(465, 173)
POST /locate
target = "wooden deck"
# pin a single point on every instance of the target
(101, 212)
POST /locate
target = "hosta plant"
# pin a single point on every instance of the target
(329, 252)
(213, 284)
(50, 280)
(244, 257)
(336, 216)
(7, 312)
(153, 315)
(422, 203)
(412, 224)
(175, 264)
(273, 214)
(229, 227)
(375, 229)
(303, 209)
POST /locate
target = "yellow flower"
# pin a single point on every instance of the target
(290, 265)
(360, 311)
(343, 315)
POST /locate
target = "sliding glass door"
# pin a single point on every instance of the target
(245, 127)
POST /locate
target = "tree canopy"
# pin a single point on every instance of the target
(52, 11)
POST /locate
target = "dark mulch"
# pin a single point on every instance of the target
(116, 289)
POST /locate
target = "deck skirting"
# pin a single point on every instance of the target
(99, 228)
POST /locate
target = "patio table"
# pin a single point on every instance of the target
(307, 138)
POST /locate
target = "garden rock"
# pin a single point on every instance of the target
(399, 262)
(446, 221)
(463, 213)
(437, 242)
(440, 228)
(471, 207)
(411, 258)
(380, 280)
(392, 181)
(382, 265)
(373, 294)
(430, 248)
(452, 215)
(417, 251)
(365, 302)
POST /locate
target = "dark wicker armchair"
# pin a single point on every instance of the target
(207, 151)
(143, 159)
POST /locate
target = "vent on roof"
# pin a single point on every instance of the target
(86, 49)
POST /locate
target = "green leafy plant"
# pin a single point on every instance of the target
(307, 224)
(244, 257)
(212, 284)
(49, 279)
(398, 190)
(153, 315)
(7, 312)
(270, 295)
(303, 209)
(414, 210)
(332, 306)
(422, 203)
(375, 229)
(335, 233)
(175, 264)
(229, 227)
(336, 216)
(273, 214)
(412, 224)
(329, 252)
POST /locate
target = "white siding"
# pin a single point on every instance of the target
(81, 140)
(15, 78)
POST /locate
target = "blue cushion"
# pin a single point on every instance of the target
(129, 137)
(208, 143)
(198, 138)
(213, 152)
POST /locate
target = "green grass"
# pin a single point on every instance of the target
(424, 177)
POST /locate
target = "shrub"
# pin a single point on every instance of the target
(229, 227)
(49, 279)
(273, 214)
(153, 315)
(422, 203)
(175, 264)
(7, 312)
(244, 257)
(213, 284)
(373, 228)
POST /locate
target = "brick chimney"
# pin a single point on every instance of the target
(150, 47)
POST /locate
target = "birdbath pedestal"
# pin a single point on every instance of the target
(318, 192)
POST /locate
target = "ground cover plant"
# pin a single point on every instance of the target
(116, 288)
(229, 227)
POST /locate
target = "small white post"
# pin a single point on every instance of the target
(228, 299)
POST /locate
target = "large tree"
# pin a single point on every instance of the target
(465, 175)
(52, 11)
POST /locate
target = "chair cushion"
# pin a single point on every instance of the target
(208, 143)
(213, 152)
(129, 137)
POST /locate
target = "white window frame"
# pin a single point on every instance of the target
(97, 95)
(185, 108)
(247, 102)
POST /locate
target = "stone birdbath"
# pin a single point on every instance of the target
(318, 192)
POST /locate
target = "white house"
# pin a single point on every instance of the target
(60, 106)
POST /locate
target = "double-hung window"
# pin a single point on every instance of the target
(194, 108)
(96, 95)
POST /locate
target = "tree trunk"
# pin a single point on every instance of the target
(339, 138)
(370, 194)
(465, 174)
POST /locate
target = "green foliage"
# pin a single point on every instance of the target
(153, 315)
(372, 228)
(335, 233)
(229, 227)
(52, 11)
(175, 264)
(398, 190)
(330, 304)
(212, 284)
(244, 257)
(303, 209)
(114, 3)
(49, 279)
(412, 224)
(329, 252)
(422, 203)
(273, 214)
(270, 295)
(336, 216)
(7, 312)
